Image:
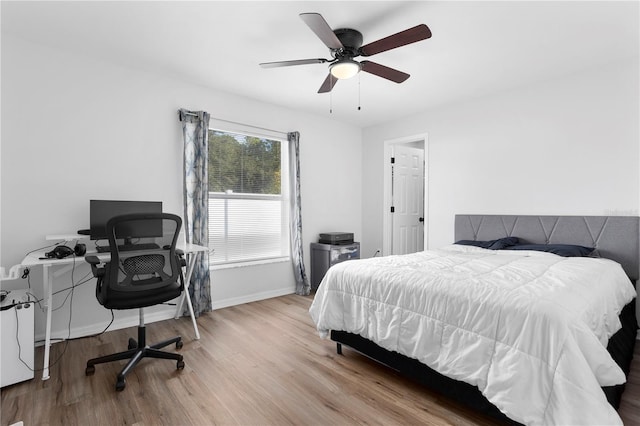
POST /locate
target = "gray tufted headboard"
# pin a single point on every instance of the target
(614, 237)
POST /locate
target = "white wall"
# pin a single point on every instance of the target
(567, 146)
(76, 128)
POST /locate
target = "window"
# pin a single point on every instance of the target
(248, 197)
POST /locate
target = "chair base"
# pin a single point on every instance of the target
(136, 351)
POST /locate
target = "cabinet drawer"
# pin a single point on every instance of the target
(340, 254)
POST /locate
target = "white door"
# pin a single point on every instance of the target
(407, 194)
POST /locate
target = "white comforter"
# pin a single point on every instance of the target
(529, 329)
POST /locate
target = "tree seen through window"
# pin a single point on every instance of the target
(243, 164)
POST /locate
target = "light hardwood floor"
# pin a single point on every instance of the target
(256, 364)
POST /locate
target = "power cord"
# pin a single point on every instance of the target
(26, 271)
(73, 286)
(51, 364)
(61, 339)
(45, 247)
(69, 297)
(85, 279)
(18, 340)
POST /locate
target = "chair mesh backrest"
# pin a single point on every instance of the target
(143, 251)
(145, 264)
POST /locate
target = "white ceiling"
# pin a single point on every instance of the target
(477, 47)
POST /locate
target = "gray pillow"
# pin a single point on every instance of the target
(566, 250)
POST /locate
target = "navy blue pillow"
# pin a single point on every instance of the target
(498, 244)
(566, 250)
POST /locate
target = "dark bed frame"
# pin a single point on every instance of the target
(614, 237)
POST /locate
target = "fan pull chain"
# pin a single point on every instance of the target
(358, 91)
(330, 94)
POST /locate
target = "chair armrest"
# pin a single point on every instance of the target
(94, 261)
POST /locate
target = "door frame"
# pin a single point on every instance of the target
(386, 201)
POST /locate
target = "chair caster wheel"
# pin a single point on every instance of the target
(180, 365)
(132, 344)
(120, 385)
(179, 344)
(89, 370)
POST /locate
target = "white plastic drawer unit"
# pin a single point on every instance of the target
(323, 256)
(16, 335)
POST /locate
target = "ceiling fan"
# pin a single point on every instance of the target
(345, 44)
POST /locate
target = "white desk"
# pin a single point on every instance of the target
(53, 268)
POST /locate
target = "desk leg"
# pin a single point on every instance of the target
(187, 281)
(185, 295)
(48, 295)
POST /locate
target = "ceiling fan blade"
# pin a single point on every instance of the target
(417, 33)
(318, 25)
(290, 63)
(328, 84)
(384, 72)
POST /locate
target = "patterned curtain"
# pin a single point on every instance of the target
(195, 126)
(302, 283)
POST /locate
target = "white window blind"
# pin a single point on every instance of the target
(248, 198)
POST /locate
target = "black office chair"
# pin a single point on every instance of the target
(145, 269)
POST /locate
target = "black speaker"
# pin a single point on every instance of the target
(60, 252)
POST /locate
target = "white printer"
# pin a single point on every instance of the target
(16, 337)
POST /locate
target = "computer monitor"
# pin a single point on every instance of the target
(100, 211)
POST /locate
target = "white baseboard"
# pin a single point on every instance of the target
(91, 329)
(167, 313)
(233, 301)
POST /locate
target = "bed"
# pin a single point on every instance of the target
(523, 335)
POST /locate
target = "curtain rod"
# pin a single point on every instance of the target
(193, 114)
(248, 125)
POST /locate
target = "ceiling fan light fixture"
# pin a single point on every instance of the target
(344, 68)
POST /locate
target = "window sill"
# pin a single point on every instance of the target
(249, 264)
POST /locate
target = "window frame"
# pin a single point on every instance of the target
(284, 197)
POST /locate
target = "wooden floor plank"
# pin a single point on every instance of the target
(258, 363)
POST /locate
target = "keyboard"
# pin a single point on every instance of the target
(129, 247)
